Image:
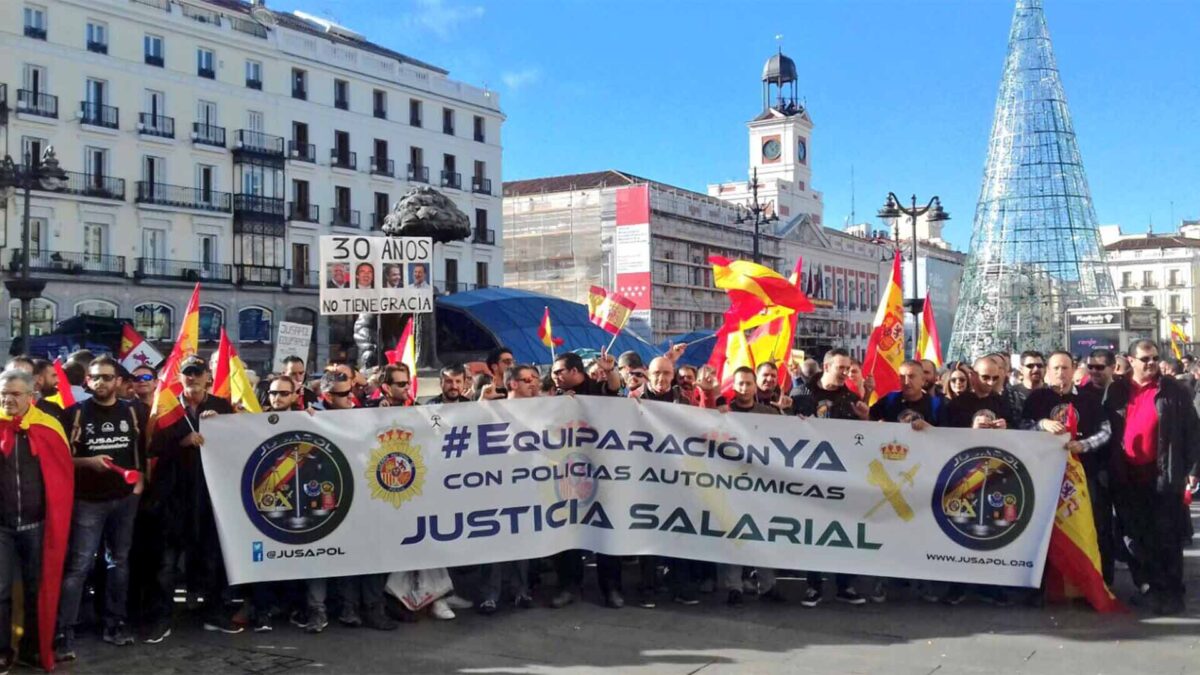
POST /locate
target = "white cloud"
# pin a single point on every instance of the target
(440, 18)
(519, 79)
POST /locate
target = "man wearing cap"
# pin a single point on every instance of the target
(179, 494)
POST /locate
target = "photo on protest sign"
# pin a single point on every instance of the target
(376, 274)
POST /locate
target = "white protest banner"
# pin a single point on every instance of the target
(376, 274)
(392, 489)
(292, 339)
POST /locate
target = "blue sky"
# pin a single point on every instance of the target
(902, 90)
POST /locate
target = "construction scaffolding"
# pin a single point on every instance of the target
(1035, 247)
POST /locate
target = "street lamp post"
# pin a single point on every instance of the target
(47, 175)
(755, 211)
(890, 213)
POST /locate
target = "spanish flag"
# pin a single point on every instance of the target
(167, 409)
(928, 344)
(1073, 560)
(65, 398)
(772, 342)
(608, 309)
(229, 377)
(730, 352)
(406, 353)
(752, 287)
(885, 347)
(1178, 337)
(546, 333)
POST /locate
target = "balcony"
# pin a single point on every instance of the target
(181, 270)
(91, 185)
(302, 152)
(164, 5)
(377, 220)
(302, 278)
(182, 197)
(341, 103)
(418, 174)
(343, 159)
(206, 73)
(479, 137)
(62, 262)
(35, 32)
(481, 186)
(381, 113)
(258, 275)
(207, 134)
(247, 27)
(99, 115)
(156, 125)
(451, 179)
(257, 205)
(381, 166)
(37, 103)
(448, 129)
(154, 60)
(455, 286)
(307, 213)
(253, 84)
(484, 236)
(97, 47)
(300, 93)
(201, 15)
(344, 217)
(257, 143)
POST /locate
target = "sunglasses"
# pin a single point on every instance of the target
(102, 377)
(1035, 365)
(193, 371)
(340, 377)
(1097, 366)
(399, 384)
(279, 392)
(990, 378)
(144, 377)
(340, 394)
(637, 373)
(1147, 359)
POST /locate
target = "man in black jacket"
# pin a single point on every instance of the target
(1157, 462)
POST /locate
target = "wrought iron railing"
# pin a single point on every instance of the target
(37, 103)
(183, 197)
(257, 141)
(63, 262)
(99, 115)
(183, 270)
(207, 134)
(343, 159)
(484, 236)
(258, 275)
(302, 152)
(383, 167)
(150, 124)
(308, 213)
(482, 186)
(419, 174)
(344, 217)
(451, 179)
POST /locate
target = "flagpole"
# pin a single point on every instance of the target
(613, 341)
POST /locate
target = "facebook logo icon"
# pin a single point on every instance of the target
(257, 551)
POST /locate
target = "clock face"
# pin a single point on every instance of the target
(802, 150)
(771, 149)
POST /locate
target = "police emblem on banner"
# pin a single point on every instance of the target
(396, 472)
(574, 479)
(297, 487)
(983, 498)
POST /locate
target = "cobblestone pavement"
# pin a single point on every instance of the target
(900, 637)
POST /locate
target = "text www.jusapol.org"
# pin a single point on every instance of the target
(977, 560)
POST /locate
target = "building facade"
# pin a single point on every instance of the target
(216, 141)
(651, 241)
(1157, 270)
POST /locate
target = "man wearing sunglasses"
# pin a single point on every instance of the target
(1048, 409)
(394, 388)
(1156, 462)
(105, 436)
(499, 361)
(981, 407)
(1033, 377)
(293, 367)
(179, 497)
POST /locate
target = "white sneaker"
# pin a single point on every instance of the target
(441, 611)
(456, 602)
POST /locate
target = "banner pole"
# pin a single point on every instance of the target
(613, 341)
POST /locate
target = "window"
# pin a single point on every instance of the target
(41, 317)
(254, 121)
(447, 121)
(153, 244)
(300, 268)
(206, 179)
(341, 201)
(414, 112)
(208, 252)
(97, 37)
(254, 74)
(1173, 304)
(31, 150)
(153, 321)
(254, 325)
(341, 149)
(211, 321)
(1174, 278)
(36, 227)
(451, 276)
(381, 209)
(96, 308)
(379, 98)
(1147, 279)
(481, 275)
(95, 162)
(341, 94)
(480, 136)
(153, 169)
(206, 63)
(299, 84)
(1126, 279)
(152, 46)
(1127, 301)
(1147, 301)
(35, 22)
(93, 242)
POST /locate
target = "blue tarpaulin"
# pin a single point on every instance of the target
(477, 321)
(699, 347)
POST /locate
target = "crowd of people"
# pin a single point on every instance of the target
(142, 526)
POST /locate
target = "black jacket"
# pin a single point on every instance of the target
(178, 492)
(1178, 434)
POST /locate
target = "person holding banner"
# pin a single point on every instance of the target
(293, 367)
(912, 404)
(499, 362)
(831, 398)
(394, 385)
(769, 391)
(571, 379)
(746, 400)
(105, 437)
(179, 496)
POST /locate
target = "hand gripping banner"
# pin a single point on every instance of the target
(393, 489)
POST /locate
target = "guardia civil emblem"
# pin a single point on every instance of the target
(396, 472)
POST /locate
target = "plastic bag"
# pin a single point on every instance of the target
(418, 589)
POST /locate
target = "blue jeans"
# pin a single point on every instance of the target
(20, 549)
(92, 522)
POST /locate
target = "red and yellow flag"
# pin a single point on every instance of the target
(1073, 560)
(1178, 337)
(608, 309)
(230, 379)
(730, 352)
(65, 398)
(406, 353)
(885, 348)
(546, 333)
(752, 287)
(167, 409)
(772, 342)
(929, 346)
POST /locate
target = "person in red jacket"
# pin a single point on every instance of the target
(37, 488)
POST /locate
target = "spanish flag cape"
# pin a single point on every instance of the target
(48, 443)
